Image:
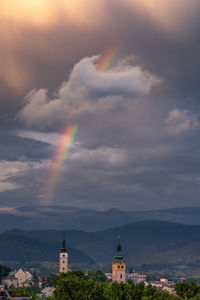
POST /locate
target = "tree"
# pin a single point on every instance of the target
(187, 289)
(98, 276)
(43, 282)
(4, 271)
(30, 291)
(51, 280)
(74, 285)
(35, 279)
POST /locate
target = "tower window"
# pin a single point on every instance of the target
(122, 267)
(120, 276)
(118, 267)
(63, 255)
(63, 269)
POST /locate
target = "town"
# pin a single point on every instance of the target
(18, 284)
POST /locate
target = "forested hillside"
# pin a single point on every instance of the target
(144, 243)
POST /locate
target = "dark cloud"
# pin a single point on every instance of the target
(15, 148)
(138, 139)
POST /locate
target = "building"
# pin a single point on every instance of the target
(24, 277)
(21, 278)
(48, 291)
(10, 281)
(169, 288)
(137, 277)
(2, 287)
(108, 276)
(119, 265)
(63, 262)
(164, 280)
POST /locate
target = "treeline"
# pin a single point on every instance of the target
(76, 285)
(4, 271)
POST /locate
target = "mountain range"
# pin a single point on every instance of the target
(59, 217)
(157, 238)
(144, 243)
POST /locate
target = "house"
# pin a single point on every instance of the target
(18, 279)
(2, 288)
(23, 277)
(48, 291)
(10, 281)
(137, 277)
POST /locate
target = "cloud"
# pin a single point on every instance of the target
(46, 137)
(17, 148)
(7, 171)
(32, 28)
(121, 151)
(88, 90)
(81, 12)
(172, 16)
(102, 156)
(90, 13)
(101, 176)
(44, 39)
(180, 121)
(10, 171)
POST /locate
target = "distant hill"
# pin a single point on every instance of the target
(88, 242)
(59, 217)
(143, 242)
(149, 238)
(20, 248)
(181, 215)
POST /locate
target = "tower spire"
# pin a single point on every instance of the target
(63, 262)
(119, 255)
(63, 249)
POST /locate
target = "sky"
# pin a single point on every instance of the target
(99, 103)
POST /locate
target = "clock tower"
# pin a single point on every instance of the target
(119, 265)
(63, 262)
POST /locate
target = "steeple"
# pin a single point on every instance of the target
(119, 265)
(63, 262)
(63, 249)
(119, 255)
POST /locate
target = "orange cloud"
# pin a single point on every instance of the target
(27, 29)
(21, 19)
(44, 13)
(171, 15)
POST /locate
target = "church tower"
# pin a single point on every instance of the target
(63, 263)
(119, 265)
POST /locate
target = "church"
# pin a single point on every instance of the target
(63, 261)
(119, 265)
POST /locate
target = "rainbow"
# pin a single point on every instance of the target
(107, 59)
(60, 158)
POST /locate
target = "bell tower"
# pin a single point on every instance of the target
(63, 262)
(119, 265)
